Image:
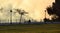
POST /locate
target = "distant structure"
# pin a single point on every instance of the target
(29, 21)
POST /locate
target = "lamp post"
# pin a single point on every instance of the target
(11, 16)
(45, 13)
(45, 17)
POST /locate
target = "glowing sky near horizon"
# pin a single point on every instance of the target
(35, 8)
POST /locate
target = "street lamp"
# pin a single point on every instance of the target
(11, 16)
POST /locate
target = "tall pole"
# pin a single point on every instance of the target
(45, 16)
(11, 16)
(10, 10)
(45, 13)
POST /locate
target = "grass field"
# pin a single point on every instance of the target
(41, 28)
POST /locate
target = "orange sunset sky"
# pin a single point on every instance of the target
(35, 8)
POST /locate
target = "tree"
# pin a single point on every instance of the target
(54, 10)
(21, 12)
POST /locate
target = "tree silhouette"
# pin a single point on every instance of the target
(54, 10)
(21, 12)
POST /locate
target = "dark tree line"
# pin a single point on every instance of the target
(54, 10)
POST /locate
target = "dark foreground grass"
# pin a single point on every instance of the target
(24, 28)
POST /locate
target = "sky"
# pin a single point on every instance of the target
(35, 8)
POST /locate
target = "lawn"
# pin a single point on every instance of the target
(33, 28)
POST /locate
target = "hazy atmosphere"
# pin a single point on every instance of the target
(35, 8)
